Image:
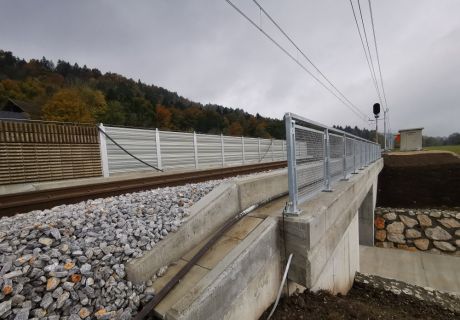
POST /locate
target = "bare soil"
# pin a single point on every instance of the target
(362, 302)
(420, 180)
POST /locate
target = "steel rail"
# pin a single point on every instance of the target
(11, 204)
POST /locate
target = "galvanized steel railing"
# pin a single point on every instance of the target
(318, 156)
(169, 150)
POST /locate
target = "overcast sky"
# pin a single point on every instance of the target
(205, 51)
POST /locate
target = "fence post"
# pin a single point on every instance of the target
(327, 174)
(222, 149)
(195, 149)
(103, 151)
(282, 148)
(258, 147)
(242, 145)
(344, 162)
(291, 206)
(272, 145)
(158, 146)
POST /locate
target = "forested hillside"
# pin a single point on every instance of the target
(67, 92)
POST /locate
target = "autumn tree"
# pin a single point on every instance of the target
(75, 105)
(235, 129)
(163, 116)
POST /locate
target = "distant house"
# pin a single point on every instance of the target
(16, 109)
(411, 139)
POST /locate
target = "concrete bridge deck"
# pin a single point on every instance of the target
(240, 275)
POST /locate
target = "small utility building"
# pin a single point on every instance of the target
(411, 139)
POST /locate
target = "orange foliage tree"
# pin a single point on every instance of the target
(75, 105)
(235, 129)
(163, 117)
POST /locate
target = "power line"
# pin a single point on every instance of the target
(292, 57)
(377, 54)
(364, 49)
(305, 56)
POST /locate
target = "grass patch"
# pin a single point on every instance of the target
(455, 148)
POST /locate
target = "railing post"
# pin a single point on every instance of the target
(258, 147)
(344, 164)
(291, 206)
(361, 155)
(222, 149)
(327, 173)
(158, 146)
(103, 152)
(195, 149)
(242, 152)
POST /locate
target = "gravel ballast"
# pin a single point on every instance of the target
(68, 262)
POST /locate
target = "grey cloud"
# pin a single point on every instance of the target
(205, 51)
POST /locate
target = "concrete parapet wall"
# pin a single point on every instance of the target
(321, 236)
(256, 189)
(206, 216)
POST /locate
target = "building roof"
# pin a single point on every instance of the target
(12, 115)
(18, 106)
(414, 129)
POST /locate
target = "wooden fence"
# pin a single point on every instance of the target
(45, 151)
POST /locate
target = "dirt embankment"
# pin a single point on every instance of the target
(420, 180)
(368, 300)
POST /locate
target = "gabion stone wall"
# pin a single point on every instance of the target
(431, 230)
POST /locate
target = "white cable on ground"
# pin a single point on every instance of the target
(281, 286)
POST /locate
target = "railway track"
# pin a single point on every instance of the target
(44, 199)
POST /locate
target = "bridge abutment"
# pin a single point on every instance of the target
(325, 237)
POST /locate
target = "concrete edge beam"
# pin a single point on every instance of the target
(210, 298)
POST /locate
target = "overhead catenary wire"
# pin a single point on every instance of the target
(374, 80)
(386, 116)
(306, 57)
(377, 54)
(369, 51)
(285, 51)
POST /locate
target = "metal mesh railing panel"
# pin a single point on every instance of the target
(309, 161)
(349, 160)
(336, 156)
(318, 156)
